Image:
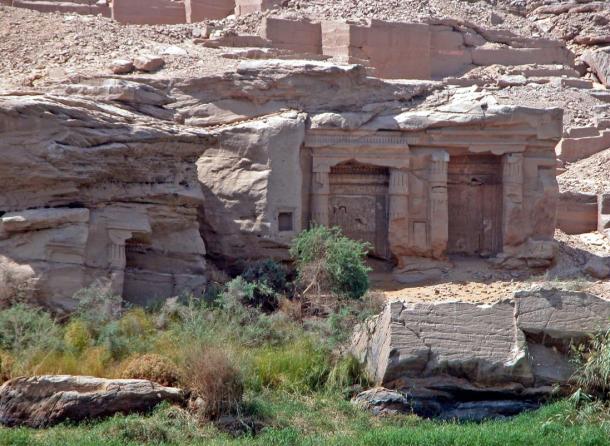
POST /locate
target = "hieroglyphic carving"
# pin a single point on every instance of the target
(439, 210)
(512, 198)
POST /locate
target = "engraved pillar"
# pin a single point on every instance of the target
(439, 207)
(320, 192)
(512, 199)
(117, 259)
(399, 191)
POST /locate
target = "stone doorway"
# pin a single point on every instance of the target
(358, 204)
(475, 205)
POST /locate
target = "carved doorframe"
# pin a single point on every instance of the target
(381, 150)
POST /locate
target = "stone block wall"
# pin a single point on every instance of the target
(73, 6)
(414, 50)
(577, 213)
(148, 12)
(244, 7)
(198, 10)
(574, 149)
(300, 36)
(394, 50)
(449, 54)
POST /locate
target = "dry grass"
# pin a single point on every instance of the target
(153, 367)
(214, 381)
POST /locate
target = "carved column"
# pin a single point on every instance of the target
(117, 259)
(439, 207)
(398, 224)
(512, 199)
(320, 192)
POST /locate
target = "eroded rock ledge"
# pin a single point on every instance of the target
(447, 354)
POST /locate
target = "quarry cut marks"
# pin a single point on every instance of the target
(468, 361)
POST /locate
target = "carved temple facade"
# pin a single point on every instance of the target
(431, 195)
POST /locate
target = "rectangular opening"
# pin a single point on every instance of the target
(285, 221)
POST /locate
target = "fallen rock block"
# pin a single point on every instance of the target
(121, 66)
(458, 352)
(148, 63)
(41, 401)
(511, 80)
(599, 61)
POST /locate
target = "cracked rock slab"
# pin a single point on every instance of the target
(41, 401)
(520, 343)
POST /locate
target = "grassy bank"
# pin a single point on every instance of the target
(322, 419)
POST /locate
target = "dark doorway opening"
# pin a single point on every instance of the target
(475, 205)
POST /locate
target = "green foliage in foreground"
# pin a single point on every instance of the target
(326, 257)
(322, 419)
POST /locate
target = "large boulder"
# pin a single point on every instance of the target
(516, 348)
(599, 61)
(41, 401)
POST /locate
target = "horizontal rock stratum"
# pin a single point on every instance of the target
(517, 348)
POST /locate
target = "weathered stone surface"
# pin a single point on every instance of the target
(42, 401)
(121, 66)
(148, 12)
(577, 213)
(597, 268)
(505, 348)
(148, 63)
(199, 10)
(599, 61)
(122, 181)
(245, 7)
(382, 401)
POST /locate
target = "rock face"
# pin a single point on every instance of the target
(454, 352)
(42, 401)
(133, 183)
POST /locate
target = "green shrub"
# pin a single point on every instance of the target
(97, 306)
(77, 336)
(255, 294)
(23, 327)
(153, 367)
(272, 276)
(327, 259)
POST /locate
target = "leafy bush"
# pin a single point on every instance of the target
(23, 327)
(327, 259)
(214, 380)
(77, 336)
(255, 294)
(271, 279)
(97, 306)
(152, 367)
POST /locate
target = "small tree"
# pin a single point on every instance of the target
(328, 260)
